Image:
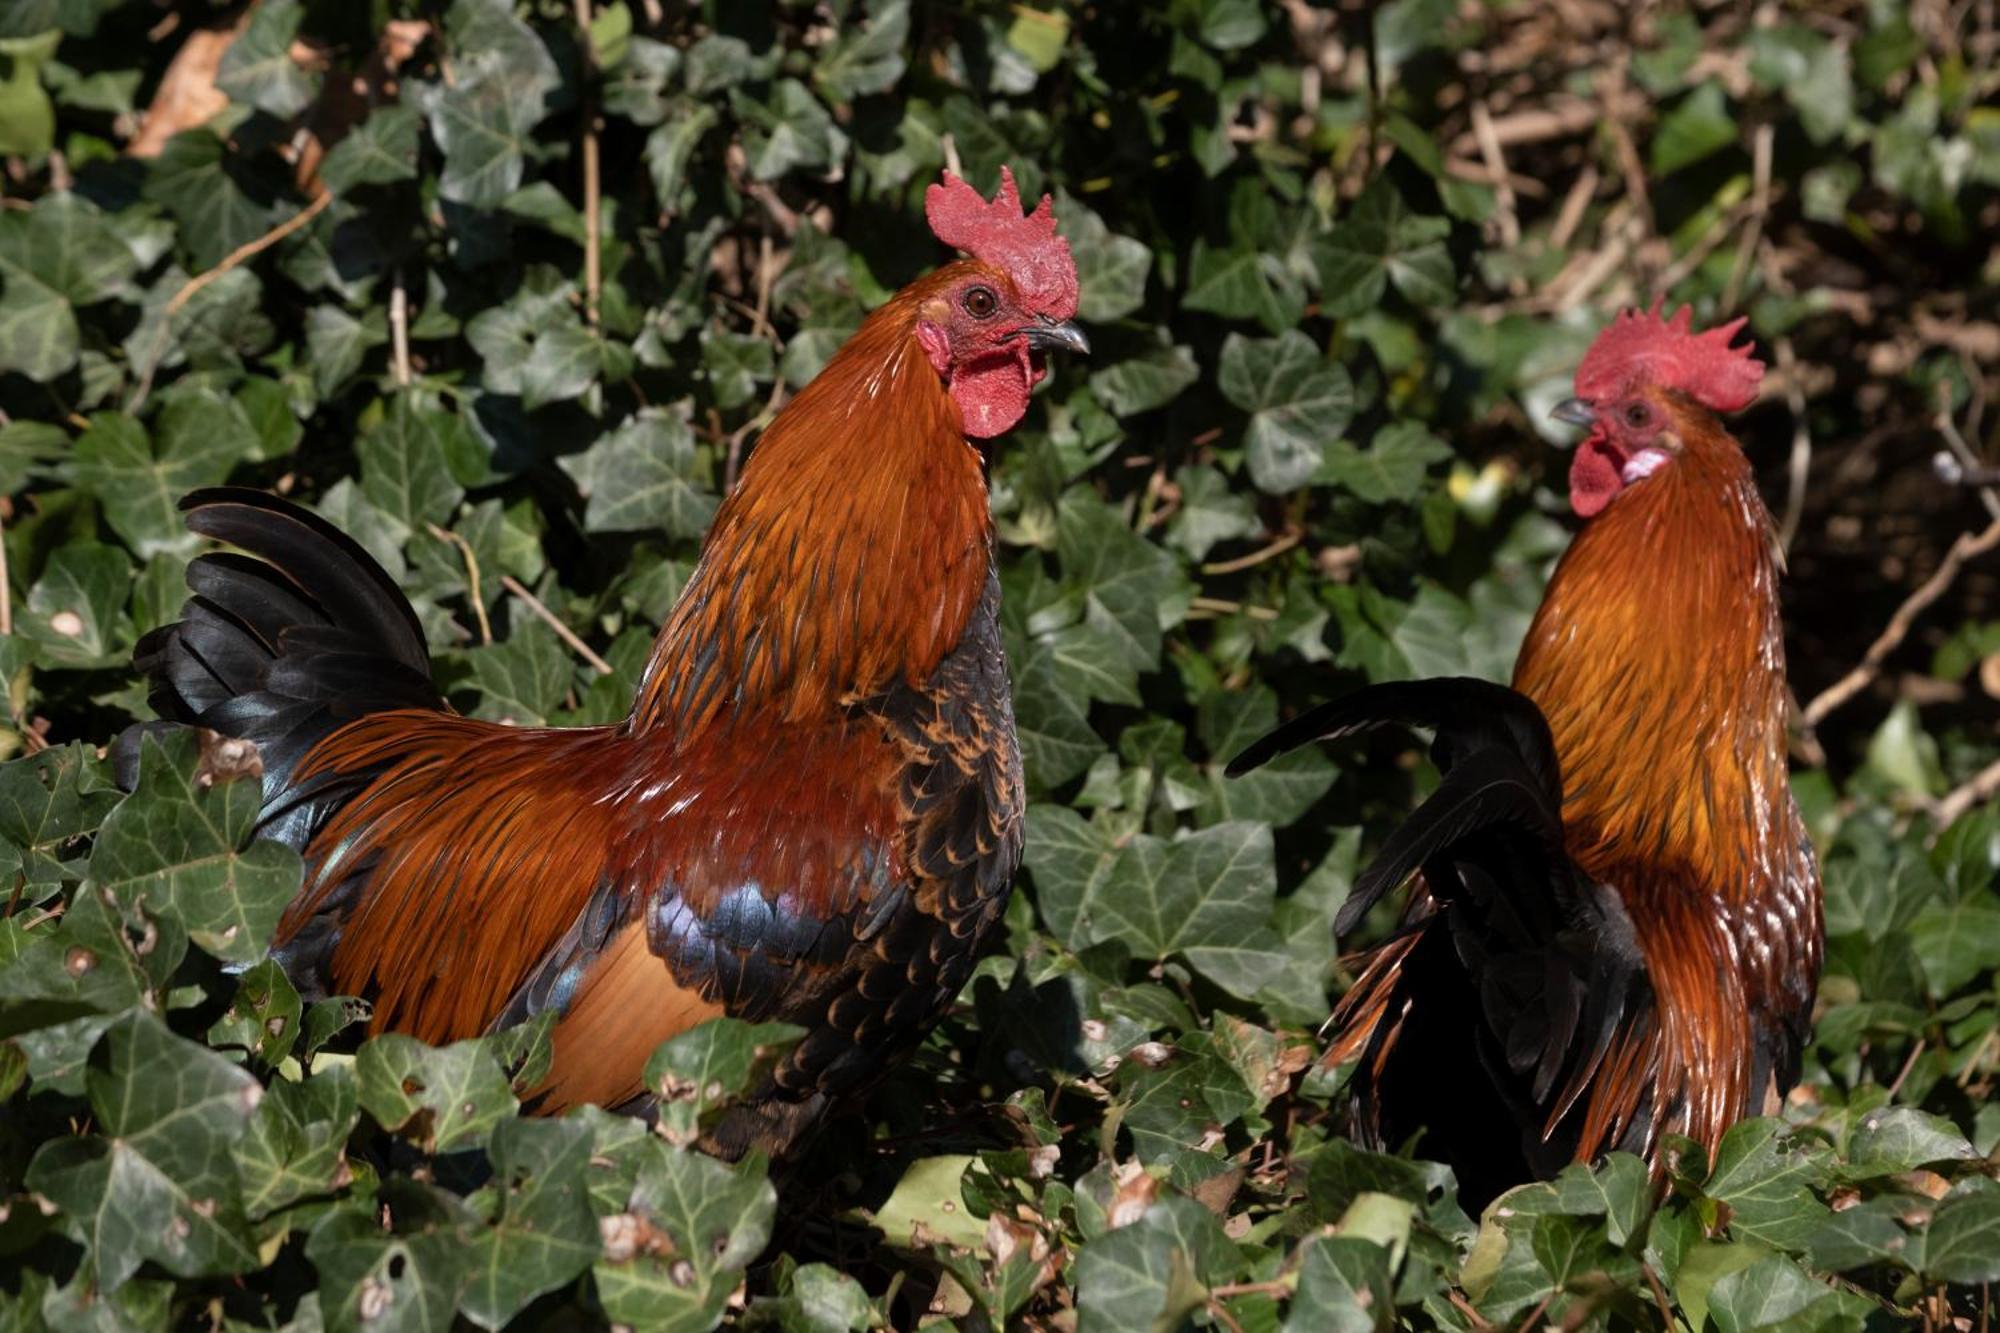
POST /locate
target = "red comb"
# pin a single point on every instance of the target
(1669, 352)
(1026, 247)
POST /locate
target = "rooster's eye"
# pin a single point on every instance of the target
(980, 302)
(1637, 416)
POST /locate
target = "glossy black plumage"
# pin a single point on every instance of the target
(1527, 988)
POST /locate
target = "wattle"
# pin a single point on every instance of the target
(1595, 475)
(992, 391)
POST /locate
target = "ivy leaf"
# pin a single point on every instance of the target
(1391, 470)
(1902, 1138)
(189, 850)
(1765, 1178)
(483, 117)
(1110, 269)
(1244, 283)
(404, 472)
(1131, 589)
(76, 611)
(1344, 1287)
(54, 258)
(678, 1248)
(1698, 126)
(1963, 1243)
(141, 480)
(867, 57)
(645, 476)
(46, 801)
(294, 1148)
(445, 1098)
(523, 679)
(159, 1185)
(1297, 400)
(258, 69)
(1153, 1273)
(1380, 240)
(700, 1073)
(386, 1282)
(381, 150)
(1150, 380)
(220, 202)
(789, 131)
(542, 1234)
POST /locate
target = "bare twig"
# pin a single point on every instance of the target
(593, 277)
(1800, 462)
(1495, 158)
(1909, 1063)
(1570, 217)
(399, 331)
(1948, 428)
(1760, 208)
(6, 589)
(247, 250)
(477, 598)
(1208, 608)
(1968, 546)
(1282, 543)
(732, 458)
(950, 147)
(1611, 92)
(554, 622)
(1981, 786)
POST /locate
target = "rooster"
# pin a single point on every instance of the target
(813, 812)
(1614, 931)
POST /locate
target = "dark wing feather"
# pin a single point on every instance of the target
(1546, 956)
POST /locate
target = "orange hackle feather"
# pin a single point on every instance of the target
(1658, 659)
(850, 558)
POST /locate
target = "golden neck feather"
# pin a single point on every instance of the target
(850, 555)
(1658, 659)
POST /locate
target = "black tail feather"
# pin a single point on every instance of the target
(283, 643)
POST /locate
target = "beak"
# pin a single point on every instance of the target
(1575, 411)
(1046, 337)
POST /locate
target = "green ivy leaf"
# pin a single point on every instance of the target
(678, 1249)
(1296, 399)
(159, 1185)
(542, 1234)
(444, 1098)
(258, 69)
(381, 150)
(189, 850)
(1150, 380)
(56, 257)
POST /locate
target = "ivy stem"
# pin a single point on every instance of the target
(593, 278)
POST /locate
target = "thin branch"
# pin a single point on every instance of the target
(1760, 208)
(1982, 786)
(1208, 608)
(1496, 165)
(399, 331)
(1970, 460)
(6, 589)
(477, 598)
(247, 250)
(1800, 462)
(1284, 542)
(1574, 204)
(593, 276)
(549, 618)
(1968, 546)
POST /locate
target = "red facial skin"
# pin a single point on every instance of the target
(1627, 443)
(971, 332)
